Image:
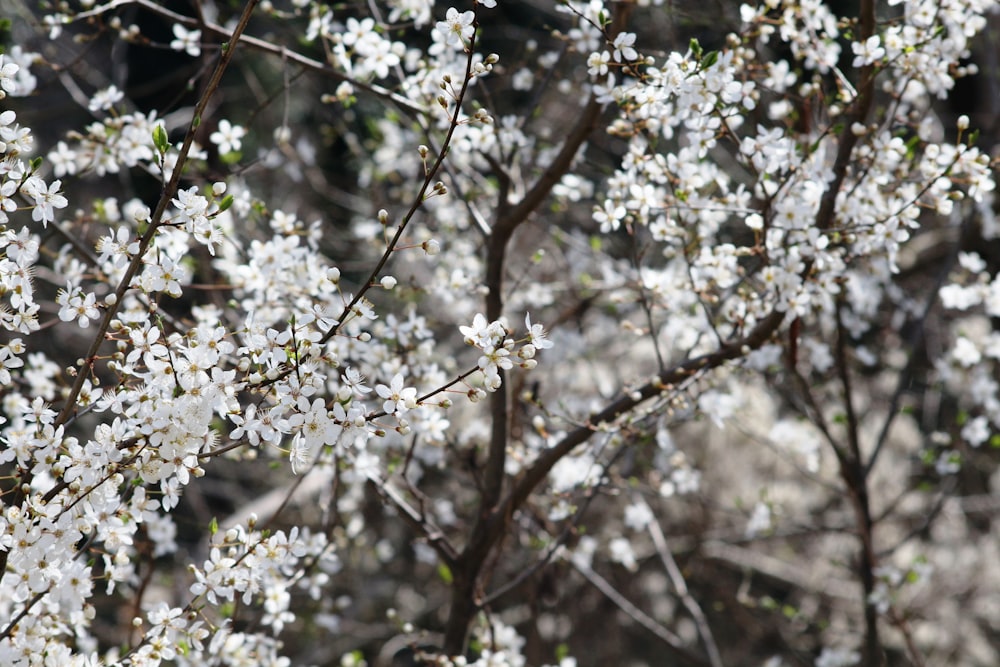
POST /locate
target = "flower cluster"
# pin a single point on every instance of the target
(743, 249)
(491, 339)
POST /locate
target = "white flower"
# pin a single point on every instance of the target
(457, 27)
(718, 406)
(609, 216)
(966, 353)
(228, 137)
(62, 159)
(868, 52)
(837, 657)
(537, 334)
(638, 516)
(397, 398)
(760, 520)
(623, 44)
(483, 334)
(976, 431)
(76, 306)
(355, 380)
(597, 63)
(622, 552)
(8, 71)
(47, 198)
(105, 99)
(186, 40)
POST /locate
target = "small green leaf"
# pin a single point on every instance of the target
(160, 140)
(213, 526)
(562, 652)
(445, 573)
(226, 202)
(710, 59)
(695, 47)
(196, 122)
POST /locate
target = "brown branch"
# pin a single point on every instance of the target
(852, 470)
(404, 104)
(675, 645)
(419, 522)
(680, 585)
(486, 531)
(169, 190)
(533, 476)
(491, 524)
(418, 200)
(862, 106)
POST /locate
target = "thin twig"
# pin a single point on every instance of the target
(156, 220)
(677, 579)
(674, 643)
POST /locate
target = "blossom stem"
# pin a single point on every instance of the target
(169, 190)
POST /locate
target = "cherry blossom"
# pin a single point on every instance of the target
(237, 397)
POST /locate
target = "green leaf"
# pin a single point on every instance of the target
(226, 202)
(445, 573)
(710, 59)
(213, 526)
(160, 140)
(562, 652)
(695, 47)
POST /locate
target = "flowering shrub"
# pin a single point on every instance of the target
(732, 376)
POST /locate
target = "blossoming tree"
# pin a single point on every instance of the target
(607, 324)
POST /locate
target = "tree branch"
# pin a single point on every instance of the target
(169, 190)
(674, 644)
